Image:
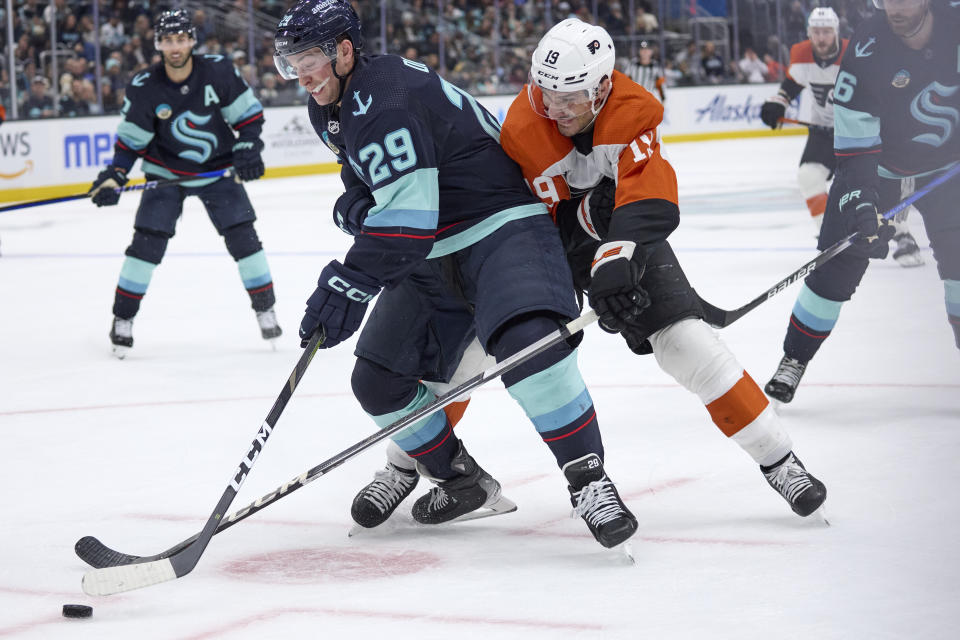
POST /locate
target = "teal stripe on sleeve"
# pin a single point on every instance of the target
(482, 229)
(133, 136)
(854, 129)
(413, 200)
(245, 106)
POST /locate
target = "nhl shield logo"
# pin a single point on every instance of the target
(593, 46)
(333, 127)
(164, 111)
(901, 79)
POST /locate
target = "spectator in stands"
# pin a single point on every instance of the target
(645, 22)
(39, 103)
(688, 63)
(267, 91)
(616, 24)
(203, 26)
(750, 68)
(711, 64)
(72, 103)
(112, 33)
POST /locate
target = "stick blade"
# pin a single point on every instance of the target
(98, 555)
(110, 580)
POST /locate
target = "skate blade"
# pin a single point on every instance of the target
(498, 508)
(120, 352)
(627, 549)
(821, 515)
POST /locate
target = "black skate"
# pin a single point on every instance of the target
(804, 493)
(378, 500)
(463, 495)
(595, 499)
(121, 335)
(907, 254)
(269, 328)
(784, 382)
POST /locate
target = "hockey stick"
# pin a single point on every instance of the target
(143, 186)
(96, 554)
(809, 125)
(99, 582)
(720, 318)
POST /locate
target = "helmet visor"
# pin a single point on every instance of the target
(558, 105)
(293, 65)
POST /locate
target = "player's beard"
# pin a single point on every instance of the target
(909, 28)
(183, 61)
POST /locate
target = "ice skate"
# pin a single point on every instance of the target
(121, 335)
(804, 493)
(269, 328)
(472, 494)
(595, 499)
(784, 382)
(907, 254)
(378, 500)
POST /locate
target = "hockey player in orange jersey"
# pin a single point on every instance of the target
(581, 130)
(815, 63)
(587, 140)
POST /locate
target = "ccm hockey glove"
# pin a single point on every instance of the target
(351, 209)
(102, 190)
(339, 304)
(615, 292)
(774, 109)
(858, 207)
(246, 159)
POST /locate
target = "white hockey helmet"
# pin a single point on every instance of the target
(572, 57)
(823, 17)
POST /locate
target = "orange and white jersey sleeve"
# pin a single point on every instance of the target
(625, 147)
(819, 76)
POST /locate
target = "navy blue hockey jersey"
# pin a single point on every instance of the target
(897, 107)
(431, 157)
(185, 128)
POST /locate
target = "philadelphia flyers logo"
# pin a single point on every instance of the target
(593, 46)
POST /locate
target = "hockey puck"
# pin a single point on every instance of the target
(77, 611)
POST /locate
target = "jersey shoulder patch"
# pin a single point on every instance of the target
(630, 111)
(801, 52)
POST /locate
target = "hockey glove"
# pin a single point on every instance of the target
(351, 209)
(246, 159)
(339, 304)
(615, 292)
(859, 210)
(102, 190)
(773, 110)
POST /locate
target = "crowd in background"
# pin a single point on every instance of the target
(483, 46)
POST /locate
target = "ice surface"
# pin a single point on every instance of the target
(137, 452)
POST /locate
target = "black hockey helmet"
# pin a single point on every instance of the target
(173, 22)
(314, 23)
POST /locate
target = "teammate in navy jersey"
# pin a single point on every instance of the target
(445, 227)
(189, 114)
(897, 113)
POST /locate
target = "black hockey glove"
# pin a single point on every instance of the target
(246, 159)
(351, 209)
(858, 207)
(615, 292)
(773, 110)
(339, 304)
(102, 190)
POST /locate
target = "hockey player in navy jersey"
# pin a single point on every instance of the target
(814, 63)
(189, 114)
(897, 113)
(453, 245)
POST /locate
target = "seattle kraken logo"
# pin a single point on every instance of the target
(361, 106)
(186, 129)
(939, 116)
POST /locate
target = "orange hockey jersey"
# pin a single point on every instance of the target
(623, 145)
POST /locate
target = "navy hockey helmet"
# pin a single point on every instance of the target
(173, 22)
(314, 24)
